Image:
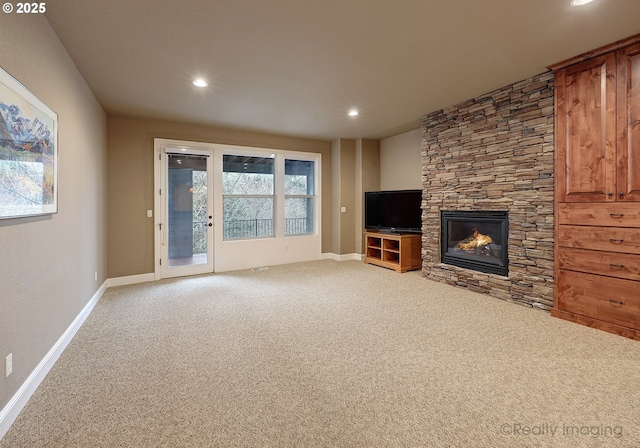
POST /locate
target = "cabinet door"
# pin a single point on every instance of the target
(586, 131)
(629, 123)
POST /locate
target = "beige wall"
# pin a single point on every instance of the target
(335, 197)
(130, 184)
(368, 179)
(343, 175)
(47, 263)
(355, 169)
(347, 198)
(401, 161)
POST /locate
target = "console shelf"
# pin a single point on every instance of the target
(398, 252)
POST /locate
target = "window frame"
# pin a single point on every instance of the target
(313, 196)
(279, 196)
(272, 196)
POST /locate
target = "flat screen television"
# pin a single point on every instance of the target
(393, 211)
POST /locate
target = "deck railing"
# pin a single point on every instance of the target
(252, 228)
(248, 228)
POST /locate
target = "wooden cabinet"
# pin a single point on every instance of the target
(598, 128)
(401, 253)
(586, 136)
(612, 300)
(597, 225)
(628, 148)
(600, 238)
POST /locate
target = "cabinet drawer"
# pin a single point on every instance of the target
(598, 262)
(608, 299)
(612, 239)
(611, 215)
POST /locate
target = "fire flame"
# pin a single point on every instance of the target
(475, 240)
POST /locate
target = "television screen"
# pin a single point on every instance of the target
(394, 211)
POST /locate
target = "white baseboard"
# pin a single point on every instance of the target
(343, 257)
(11, 410)
(130, 280)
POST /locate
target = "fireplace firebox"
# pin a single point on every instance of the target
(476, 240)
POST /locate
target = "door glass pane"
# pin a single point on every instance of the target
(187, 206)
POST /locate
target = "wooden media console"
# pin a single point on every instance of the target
(401, 252)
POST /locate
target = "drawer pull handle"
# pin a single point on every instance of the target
(619, 266)
(616, 215)
(616, 302)
(615, 241)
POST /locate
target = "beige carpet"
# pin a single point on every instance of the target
(331, 354)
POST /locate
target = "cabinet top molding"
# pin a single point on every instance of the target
(597, 52)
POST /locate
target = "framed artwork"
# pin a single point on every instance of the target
(28, 152)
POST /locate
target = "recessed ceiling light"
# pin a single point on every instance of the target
(580, 2)
(353, 113)
(200, 83)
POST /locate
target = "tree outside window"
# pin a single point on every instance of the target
(248, 196)
(299, 199)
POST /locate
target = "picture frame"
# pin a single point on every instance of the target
(28, 152)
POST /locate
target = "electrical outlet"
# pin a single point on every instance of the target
(8, 365)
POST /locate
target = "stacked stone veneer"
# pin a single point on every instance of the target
(495, 152)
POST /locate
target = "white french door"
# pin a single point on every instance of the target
(184, 210)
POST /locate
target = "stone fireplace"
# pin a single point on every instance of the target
(475, 240)
(493, 153)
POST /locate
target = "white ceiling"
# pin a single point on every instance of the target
(296, 67)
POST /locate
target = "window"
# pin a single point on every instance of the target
(248, 188)
(268, 196)
(299, 196)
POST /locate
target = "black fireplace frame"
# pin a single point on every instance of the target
(489, 267)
